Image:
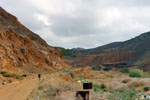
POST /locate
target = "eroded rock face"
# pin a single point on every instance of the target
(110, 58)
(19, 46)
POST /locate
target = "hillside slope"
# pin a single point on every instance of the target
(135, 51)
(21, 47)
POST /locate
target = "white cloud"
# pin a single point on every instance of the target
(43, 18)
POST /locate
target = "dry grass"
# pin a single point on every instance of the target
(135, 84)
(61, 86)
(108, 75)
(11, 75)
(55, 87)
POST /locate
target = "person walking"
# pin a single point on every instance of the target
(39, 76)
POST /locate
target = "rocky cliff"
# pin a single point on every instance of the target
(21, 47)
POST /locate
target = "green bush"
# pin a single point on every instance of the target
(99, 88)
(146, 88)
(124, 70)
(135, 73)
(97, 68)
(103, 86)
(107, 68)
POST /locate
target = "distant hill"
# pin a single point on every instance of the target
(135, 51)
(100, 49)
(77, 49)
(21, 48)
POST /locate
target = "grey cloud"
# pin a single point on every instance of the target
(91, 23)
(25, 13)
(69, 26)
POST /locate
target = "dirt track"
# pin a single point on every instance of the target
(18, 90)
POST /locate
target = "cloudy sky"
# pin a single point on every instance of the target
(82, 23)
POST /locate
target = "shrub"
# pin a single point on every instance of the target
(124, 70)
(103, 86)
(136, 73)
(97, 68)
(99, 88)
(107, 68)
(146, 88)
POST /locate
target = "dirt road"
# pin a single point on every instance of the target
(18, 90)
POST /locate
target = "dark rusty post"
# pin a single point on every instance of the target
(84, 95)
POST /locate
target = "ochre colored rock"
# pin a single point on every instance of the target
(19, 46)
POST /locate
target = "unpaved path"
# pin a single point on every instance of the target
(18, 90)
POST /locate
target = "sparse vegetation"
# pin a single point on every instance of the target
(123, 94)
(110, 90)
(49, 91)
(135, 84)
(70, 71)
(146, 75)
(136, 73)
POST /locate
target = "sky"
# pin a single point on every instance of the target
(82, 23)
